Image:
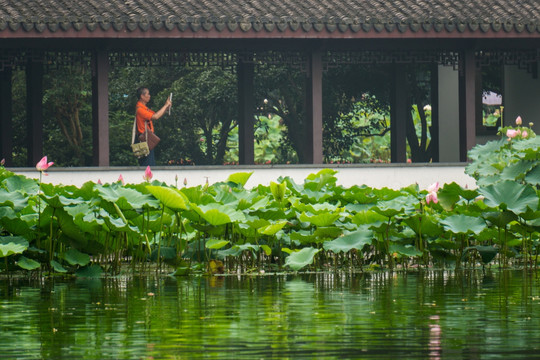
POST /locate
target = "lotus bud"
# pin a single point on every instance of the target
(518, 120)
(43, 165)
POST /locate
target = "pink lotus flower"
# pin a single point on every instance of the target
(185, 181)
(148, 174)
(518, 120)
(2, 162)
(121, 179)
(512, 133)
(99, 182)
(524, 134)
(43, 165)
(409, 161)
(433, 187)
(432, 196)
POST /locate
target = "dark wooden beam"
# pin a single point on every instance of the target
(34, 111)
(314, 126)
(6, 127)
(246, 106)
(434, 131)
(399, 106)
(100, 108)
(468, 93)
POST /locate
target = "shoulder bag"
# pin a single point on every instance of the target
(151, 138)
(140, 149)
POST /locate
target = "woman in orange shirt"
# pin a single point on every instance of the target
(145, 116)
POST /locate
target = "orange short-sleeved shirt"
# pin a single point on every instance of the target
(143, 113)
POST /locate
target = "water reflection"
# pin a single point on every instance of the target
(421, 315)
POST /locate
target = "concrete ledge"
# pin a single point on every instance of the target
(393, 176)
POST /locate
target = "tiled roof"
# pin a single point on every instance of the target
(296, 17)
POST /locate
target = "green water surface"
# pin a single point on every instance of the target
(415, 315)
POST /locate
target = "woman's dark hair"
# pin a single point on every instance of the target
(141, 91)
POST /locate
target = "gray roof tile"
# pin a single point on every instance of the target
(297, 16)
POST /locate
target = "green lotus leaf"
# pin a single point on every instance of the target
(316, 196)
(510, 195)
(218, 214)
(368, 217)
(313, 208)
(68, 226)
(278, 191)
(302, 258)
(391, 208)
(21, 184)
(59, 201)
(487, 253)
(272, 229)
(324, 177)
(237, 250)
(500, 218)
(17, 225)
(464, 224)
(240, 178)
(266, 250)
(321, 219)
(92, 271)
(449, 194)
(404, 250)
(533, 177)
(517, 171)
(354, 240)
(484, 150)
(10, 245)
(57, 267)
(531, 145)
(216, 243)
(423, 224)
(327, 232)
(303, 236)
(15, 200)
(171, 198)
(27, 264)
(165, 252)
(75, 257)
(126, 198)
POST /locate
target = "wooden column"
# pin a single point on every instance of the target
(34, 111)
(100, 108)
(314, 126)
(6, 127)
(468, 93)
(399, 106)
(246, 122)
(434, 131)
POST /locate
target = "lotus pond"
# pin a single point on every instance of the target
(435, 314)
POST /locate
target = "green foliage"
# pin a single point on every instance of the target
(316, 224)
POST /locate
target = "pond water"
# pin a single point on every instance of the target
(420, 315)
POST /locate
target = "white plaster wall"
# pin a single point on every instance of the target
(521, 97)
(393, 176)
(448, 114)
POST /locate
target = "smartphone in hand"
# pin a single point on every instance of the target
(170, 98)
